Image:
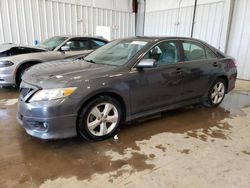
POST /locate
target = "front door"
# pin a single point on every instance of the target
(153, 88)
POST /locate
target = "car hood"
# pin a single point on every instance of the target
(8, 46)
(65, 72)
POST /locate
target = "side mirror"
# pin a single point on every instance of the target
(146, 63)
(65, 48)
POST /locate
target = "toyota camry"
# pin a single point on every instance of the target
(124, 80)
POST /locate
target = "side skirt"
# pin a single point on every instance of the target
(159, 110)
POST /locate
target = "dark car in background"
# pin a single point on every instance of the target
(121, 81)
(16, 59)
(11, 49)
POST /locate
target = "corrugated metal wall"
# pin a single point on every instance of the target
(209, 23)
(212, 24)
(23, 21)
(177, 21)
(171, 22)
(239, 38)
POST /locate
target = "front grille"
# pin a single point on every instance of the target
(20, 117)
(25, 91)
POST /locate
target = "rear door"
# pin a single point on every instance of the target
(200, 65)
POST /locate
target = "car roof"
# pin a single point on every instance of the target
(8, 46)
(162, 38)
(82, 36)
(159, 38)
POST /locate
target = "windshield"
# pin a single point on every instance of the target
(116, 53)
(52, 43)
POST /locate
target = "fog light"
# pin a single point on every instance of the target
(38, 126)
(45, 125)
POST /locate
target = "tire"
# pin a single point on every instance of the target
(94, 124)
(20, 74)
(215, 94)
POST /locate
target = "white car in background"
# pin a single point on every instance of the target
(16, 59)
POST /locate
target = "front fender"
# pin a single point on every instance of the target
(121, 91)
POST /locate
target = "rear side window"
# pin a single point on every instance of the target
(210, 54)
(193, 51)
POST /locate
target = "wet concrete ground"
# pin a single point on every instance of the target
(189, 147)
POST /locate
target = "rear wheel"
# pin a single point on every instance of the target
(99, 119)
(216, 94)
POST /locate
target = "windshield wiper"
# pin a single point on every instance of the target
(90, 61)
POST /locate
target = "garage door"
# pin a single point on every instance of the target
(239, 38)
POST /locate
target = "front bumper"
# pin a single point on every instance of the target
(47, 119)
(57, 127)
(231, 82)
(7, 79)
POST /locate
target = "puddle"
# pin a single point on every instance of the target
(184, 151)
(25, 159)
(8, 92)
(8, 102)
(246, 152)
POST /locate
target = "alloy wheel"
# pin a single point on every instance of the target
(218, 92)
(102, 119)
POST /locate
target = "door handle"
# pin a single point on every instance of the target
(178, 71)
(215, 64)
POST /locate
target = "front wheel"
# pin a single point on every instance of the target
(216, 94)
(99, 119)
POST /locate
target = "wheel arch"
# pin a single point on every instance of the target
(112, 94)
(19, 68)
(225, 78)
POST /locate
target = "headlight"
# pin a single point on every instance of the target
(52, 94)
(6, 64)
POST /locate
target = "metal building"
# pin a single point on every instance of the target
(24, 21)
(223, 23)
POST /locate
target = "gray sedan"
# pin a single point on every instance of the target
(121, 81)
(15, 59)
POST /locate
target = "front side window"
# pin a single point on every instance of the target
(52, 43)
(78, 44)
(116, 53)
(164, 53)
(193, 51)
(94, 44)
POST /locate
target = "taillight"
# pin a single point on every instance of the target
(231, 63)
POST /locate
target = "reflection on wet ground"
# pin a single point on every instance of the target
(28, 162)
